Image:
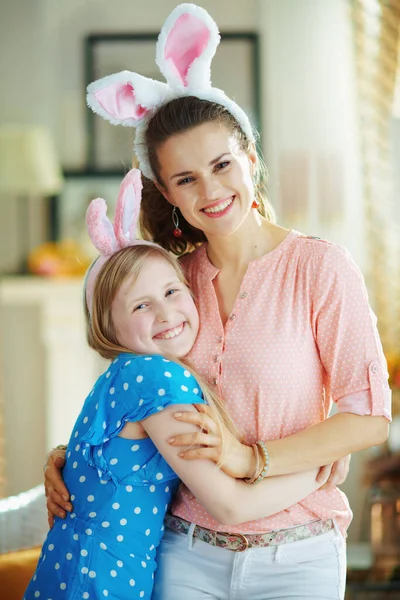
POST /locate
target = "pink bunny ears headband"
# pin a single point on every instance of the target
(108, 238)
(185, 48)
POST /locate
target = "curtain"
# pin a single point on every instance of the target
(376, 26)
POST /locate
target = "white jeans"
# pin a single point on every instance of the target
(309, 569)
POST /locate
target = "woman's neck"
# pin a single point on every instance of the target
(251, 241)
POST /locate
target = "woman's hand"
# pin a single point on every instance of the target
(56, 492)
(338, 472)
(237, 460)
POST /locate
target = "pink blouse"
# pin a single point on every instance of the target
(301, 335)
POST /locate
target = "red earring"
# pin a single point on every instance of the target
(175, 219)
(256, 203)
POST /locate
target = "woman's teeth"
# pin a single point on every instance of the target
(219, 207)
(171, 333)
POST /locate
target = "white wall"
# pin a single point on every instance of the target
(43, 40)
(308, 103)
(310, 117)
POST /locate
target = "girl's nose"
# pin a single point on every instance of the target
(163, 314)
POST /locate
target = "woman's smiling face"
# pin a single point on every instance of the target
(208, 177)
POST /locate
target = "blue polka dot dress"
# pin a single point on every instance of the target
(120, 488)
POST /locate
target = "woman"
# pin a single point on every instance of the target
(285, 329)
(120, 468)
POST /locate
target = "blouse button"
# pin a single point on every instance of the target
(374, 369)
(232, 317)
(220, 339)
(242, 294)
(216, 358)
(214, 381)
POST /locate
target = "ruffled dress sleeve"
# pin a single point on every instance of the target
(132, 389)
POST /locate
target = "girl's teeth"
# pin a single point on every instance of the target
(219, 207)
(172, 333)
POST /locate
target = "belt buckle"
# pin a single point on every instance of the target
(245, 542)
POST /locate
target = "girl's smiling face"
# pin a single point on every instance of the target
(208, 178)
(155, 313)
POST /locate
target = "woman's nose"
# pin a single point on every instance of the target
(210, 188)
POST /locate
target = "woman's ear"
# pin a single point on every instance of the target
(253, 158)
(164, 192)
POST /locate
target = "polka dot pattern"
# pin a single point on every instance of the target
(304, 305)
(120, 488)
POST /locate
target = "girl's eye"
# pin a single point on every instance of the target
(170, 292)
(222, 165)
(185, 181)
(141, 306)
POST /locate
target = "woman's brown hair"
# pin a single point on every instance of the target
(175, 117)
(100, 331)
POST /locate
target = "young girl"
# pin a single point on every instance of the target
(286, 329)
(139, 311)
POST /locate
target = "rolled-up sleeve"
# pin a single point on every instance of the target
(345, 329)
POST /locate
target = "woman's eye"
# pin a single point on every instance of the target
(185, 180)
(222, 165)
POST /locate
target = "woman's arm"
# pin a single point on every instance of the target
(322, 444)
(228, 500)
(350, 351)
(341, 434)
(345, 332)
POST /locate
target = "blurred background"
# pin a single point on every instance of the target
(320, 80)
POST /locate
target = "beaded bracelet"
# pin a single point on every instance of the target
(266, 457)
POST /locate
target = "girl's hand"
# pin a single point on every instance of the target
(338, 472)
(237, 460)
(56, 492)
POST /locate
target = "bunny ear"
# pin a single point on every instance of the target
(125, 98)
(127, 209)
(186, 46)
(99, 227)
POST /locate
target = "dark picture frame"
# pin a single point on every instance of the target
(235, 69)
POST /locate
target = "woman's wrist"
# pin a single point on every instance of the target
(261, 463)
(265, 461)
(251, 462)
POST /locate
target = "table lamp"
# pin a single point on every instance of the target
(29, 168)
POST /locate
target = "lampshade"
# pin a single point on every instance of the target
(28, 162)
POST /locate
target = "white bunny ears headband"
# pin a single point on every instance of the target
(185, 48)
(108, 238)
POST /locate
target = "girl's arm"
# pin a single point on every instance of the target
(228, 500)
(322, 444)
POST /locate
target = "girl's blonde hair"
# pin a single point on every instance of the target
(176, 117)
(100, 330)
